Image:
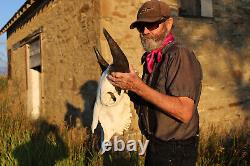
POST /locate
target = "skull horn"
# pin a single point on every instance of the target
(103, 64)
(120, 61)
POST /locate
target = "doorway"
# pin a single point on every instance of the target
(34, 78)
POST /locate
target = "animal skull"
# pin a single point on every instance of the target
(112, 105)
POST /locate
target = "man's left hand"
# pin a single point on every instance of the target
(127, 81)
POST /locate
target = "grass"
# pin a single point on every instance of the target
(3, 83)
(23, 142)
(232, 148)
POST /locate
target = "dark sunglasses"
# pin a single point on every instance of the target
(150, 26)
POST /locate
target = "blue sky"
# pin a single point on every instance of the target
(7, 10)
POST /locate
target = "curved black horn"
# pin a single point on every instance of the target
(103, 64)
(120, 61)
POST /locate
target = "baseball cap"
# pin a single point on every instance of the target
(151, 11)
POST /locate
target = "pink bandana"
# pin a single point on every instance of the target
(151, 56)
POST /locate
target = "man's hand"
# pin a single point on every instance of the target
(127, 81)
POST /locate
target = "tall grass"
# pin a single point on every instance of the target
(231, 148)
(3, 83)
(23, 142)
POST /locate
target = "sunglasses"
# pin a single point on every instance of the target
(150, 26)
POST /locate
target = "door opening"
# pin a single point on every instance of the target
(34, 78)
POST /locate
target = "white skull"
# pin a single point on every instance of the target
(111, 109)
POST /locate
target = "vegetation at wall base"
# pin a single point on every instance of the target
(3, 83)
(232, 148)
(24, 142)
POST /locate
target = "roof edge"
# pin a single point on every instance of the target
(17, 15)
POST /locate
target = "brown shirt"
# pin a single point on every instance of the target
(179, 74)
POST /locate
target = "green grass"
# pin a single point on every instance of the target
(23, 142)
(3, 83)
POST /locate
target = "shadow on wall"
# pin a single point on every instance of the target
(75, 117)
(234, 34)
(44, 148)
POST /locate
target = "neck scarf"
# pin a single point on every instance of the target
(157, 52)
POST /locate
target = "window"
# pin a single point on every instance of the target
(9, 64)
(35, 55)
(196, 8)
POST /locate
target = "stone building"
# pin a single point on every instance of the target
(53, 71)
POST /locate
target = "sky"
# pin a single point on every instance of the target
(7, 10)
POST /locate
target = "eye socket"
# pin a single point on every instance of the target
(118, 90)
(112, 96)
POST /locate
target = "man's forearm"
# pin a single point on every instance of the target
(178, 107)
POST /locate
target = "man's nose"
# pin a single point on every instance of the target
(146, 31)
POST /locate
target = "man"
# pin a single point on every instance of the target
(169, 91)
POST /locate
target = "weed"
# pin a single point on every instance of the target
(23, 142)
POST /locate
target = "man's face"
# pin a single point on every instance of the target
(152, 35)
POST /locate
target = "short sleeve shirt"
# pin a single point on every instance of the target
(180, 75)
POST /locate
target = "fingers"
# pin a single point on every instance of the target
(115, 81)
(117, 74)
(112, 79)
(122, 80)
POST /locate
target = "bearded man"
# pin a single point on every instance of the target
(167, 96)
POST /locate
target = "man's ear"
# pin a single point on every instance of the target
(169, 24)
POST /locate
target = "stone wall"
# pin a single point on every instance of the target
(69, 68)
(70, 71)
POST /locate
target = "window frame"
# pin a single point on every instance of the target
(186, 9)
(9, 76)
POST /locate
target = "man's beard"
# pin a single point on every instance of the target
(150, 42)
